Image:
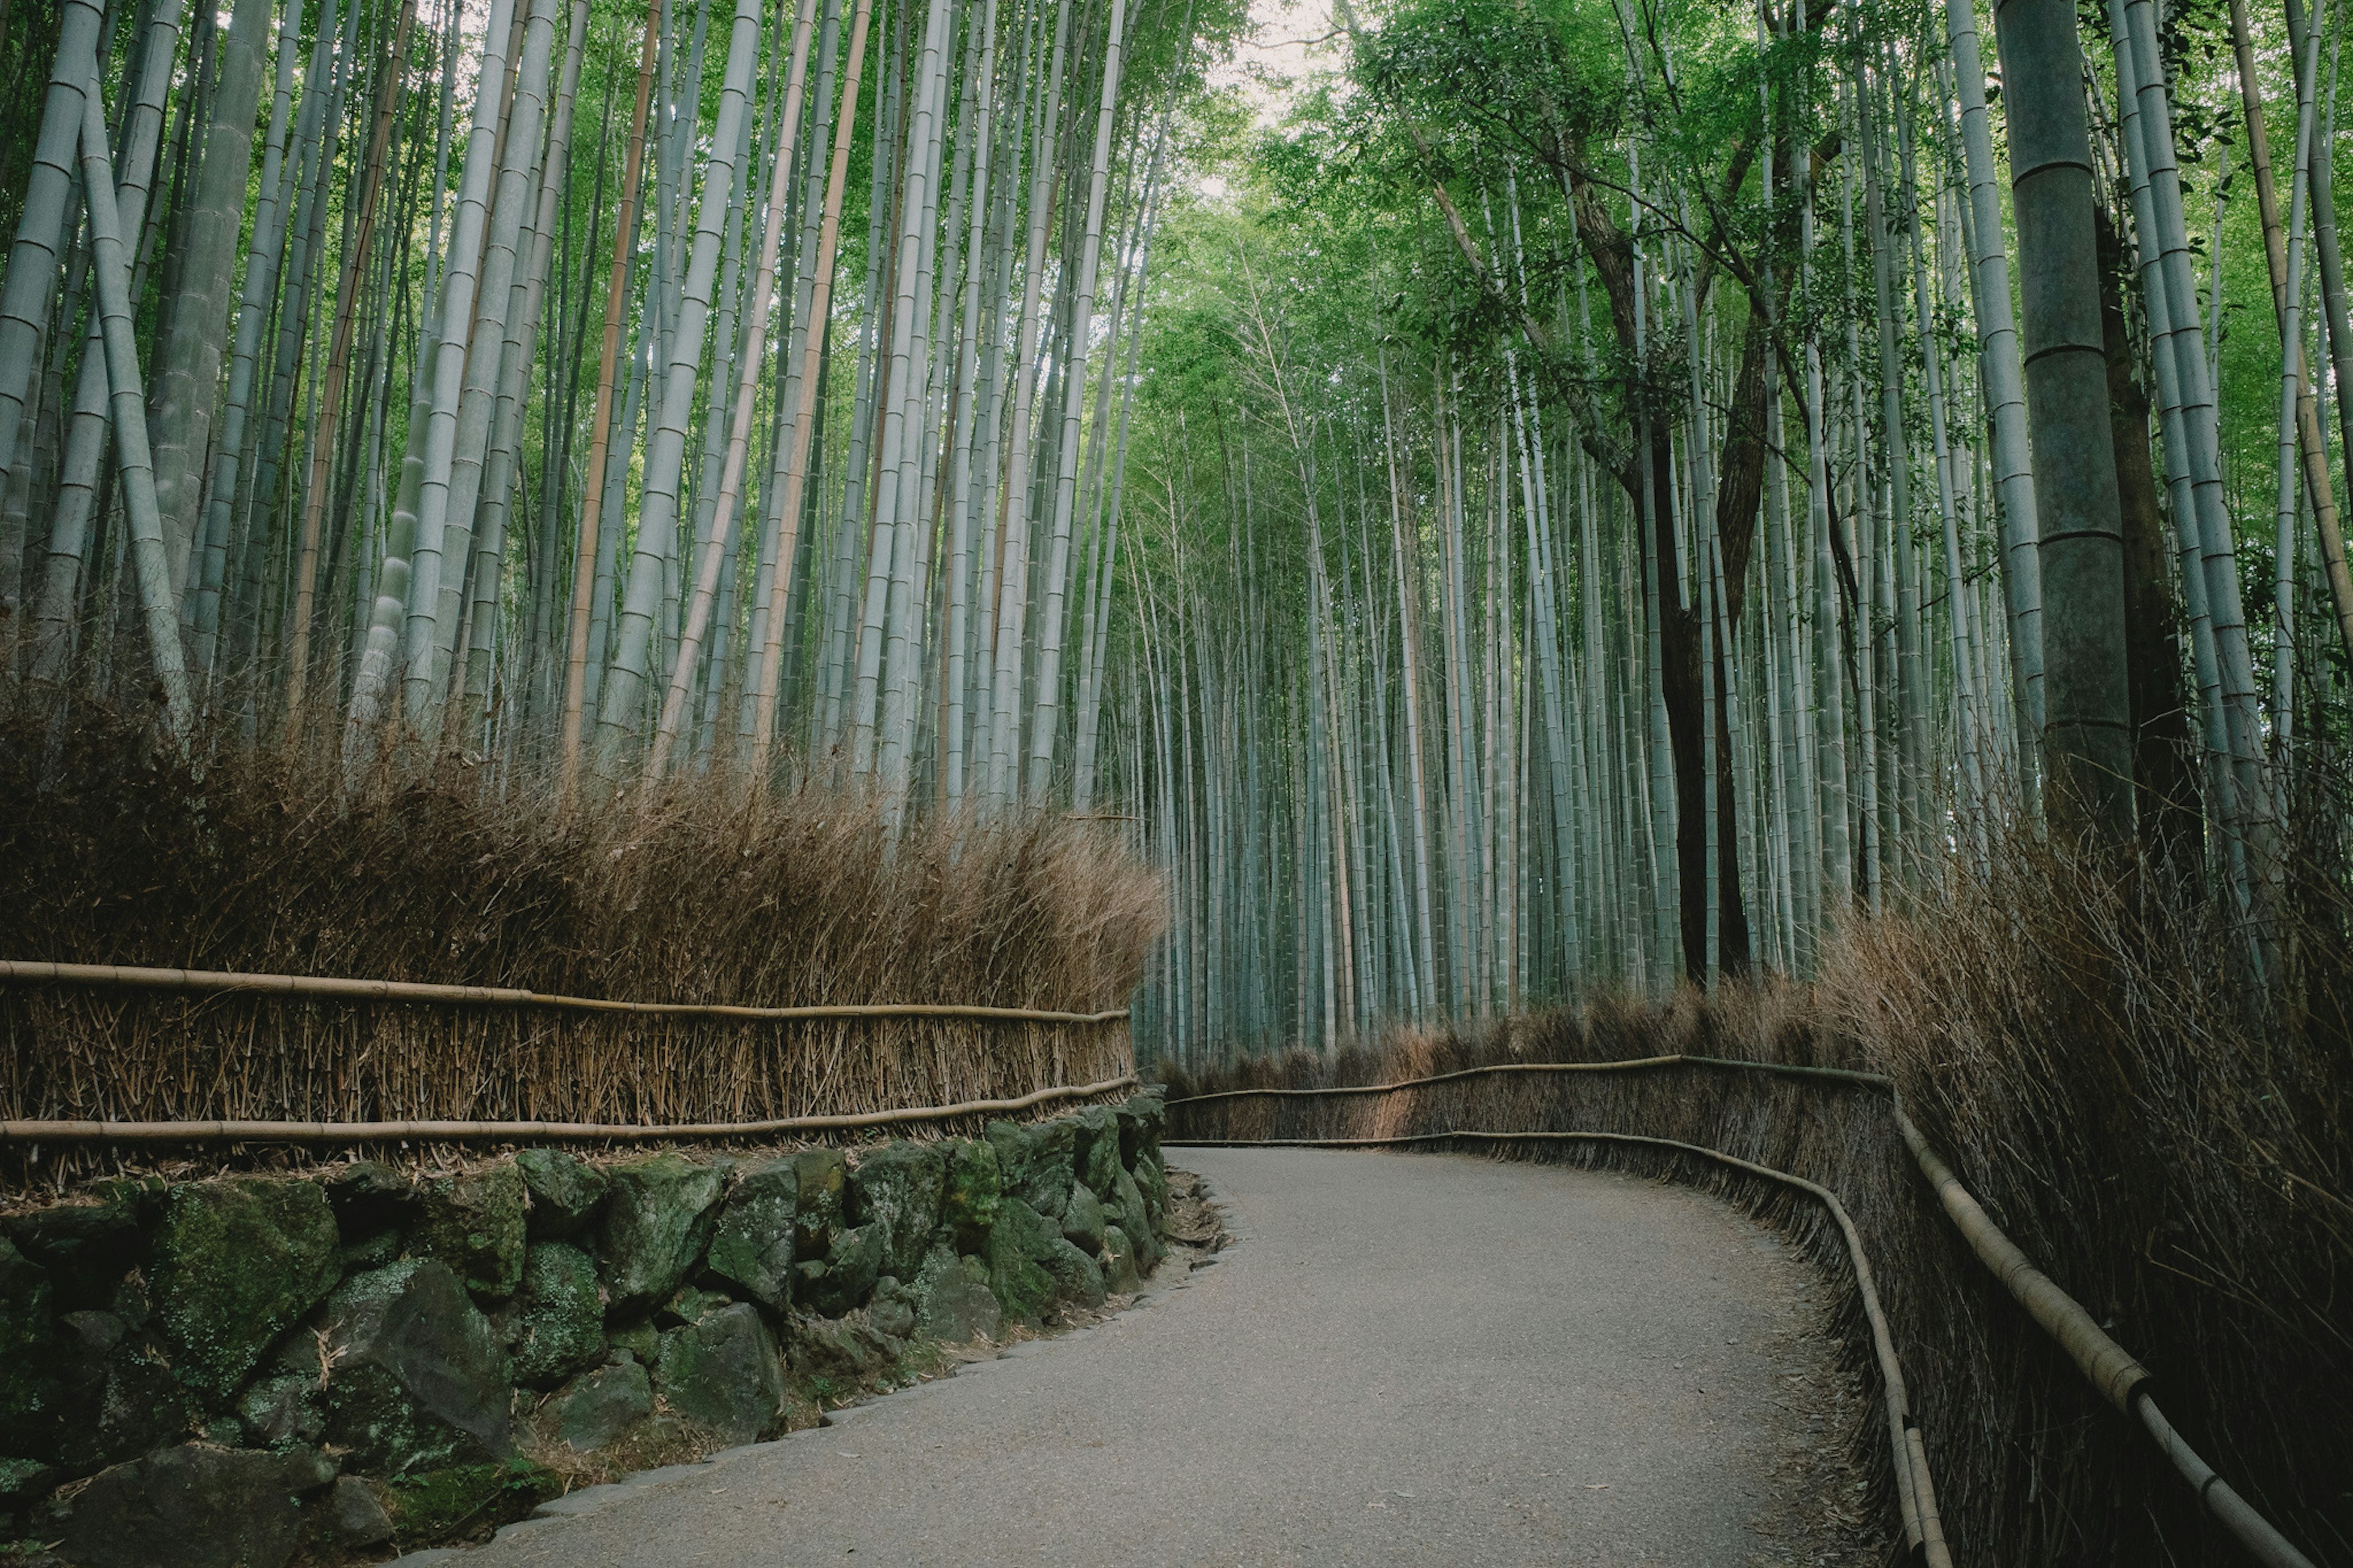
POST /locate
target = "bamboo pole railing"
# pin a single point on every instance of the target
(213, 981)
(514, 1131)
(2105, 1364)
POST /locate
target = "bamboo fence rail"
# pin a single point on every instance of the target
(567, 1131)
(211, 982)
(2105, 1364)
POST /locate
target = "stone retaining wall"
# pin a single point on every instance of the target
(235, 1370)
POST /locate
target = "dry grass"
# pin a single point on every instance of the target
(2168, 1144)
(112, 853)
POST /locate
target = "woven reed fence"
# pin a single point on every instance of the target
(111, 854)
(2032, 1465)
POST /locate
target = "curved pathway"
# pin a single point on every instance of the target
(1405, 1359)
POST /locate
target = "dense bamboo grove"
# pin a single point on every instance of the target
(1598, 494)
(1619, 490)
(581, 389)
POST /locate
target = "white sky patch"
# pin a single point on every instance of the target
(1290, 40)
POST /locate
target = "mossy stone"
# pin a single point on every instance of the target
(969, 1198)
(1019, 1240)
(1120, 1276)
(1077, 1277)
(433, 1504)
(559, 1315)
(1140, 1118)
(657, 1217)
(953, 1303)
(1053, 1166)
(1082, 1219)
(891, 1309)
(85, 1247)
(848, 1276)
(416, 1377)
(370, 1252)
(23, 1481)
(1096, 1149)
(824, 1180)
(598, 1408)
(723, 1375)
(753, 1246)
(238, 1261)
(896, 1188)
(1039, 1163)
(690, 1304)
(28, 1384)
(833, 1355)
(195, 1506)
(117, 1398)
(1136, 1218)
(284, 1409)
(640, 1339)
(565, 1190)
(473, 1221)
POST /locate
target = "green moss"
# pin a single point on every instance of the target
(238, 1260)
(460, 1500)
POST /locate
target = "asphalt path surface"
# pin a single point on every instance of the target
(1403, 1358)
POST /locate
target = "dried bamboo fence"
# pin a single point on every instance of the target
(1469, 1106)
(117, 1053)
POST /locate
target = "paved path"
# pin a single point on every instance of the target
(1406, 1359)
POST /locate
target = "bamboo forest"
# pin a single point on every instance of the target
(709, 707)
(1564, 495)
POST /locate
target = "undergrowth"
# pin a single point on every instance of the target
(2165, 1137)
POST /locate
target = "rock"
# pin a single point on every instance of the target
(368, 1197)
(284, 1409)
(565, 1190)
(435, 1505)
(1039, 1162)
(238, 1261)
(599, 1408)
(473, 1222)
(1140, 1118)
(1151, 1179)
(370, 1252)
(23, 1481)
(1077, 1276)
(117, 1398)
(970, 1197)
(891, 1309)
(559, 1316)
(897, 1189)
(85, 1248)
(415, 1374)
(823, 1176)
(1019, 1241)
(1096, 1149)
(833, 1354)
(1082, 1219)
(29, 1375)
(1120, 1276)
(753, 1246)
(640, 1339)
(848, 1276)
(723, 1375)
(355, 1515)
(1136, 1219)
(659, 1214)
(953, 1301)
(195, 1506)
(690, 1306)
